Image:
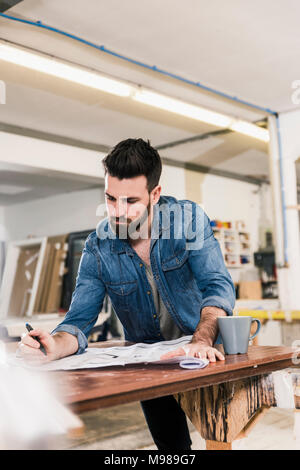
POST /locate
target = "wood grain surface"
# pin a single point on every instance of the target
(98, 388)
(221, 412)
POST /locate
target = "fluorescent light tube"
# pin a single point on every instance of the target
(201, 114)
(60, 69)
(251, 130)
(184, 109)
(82, 76)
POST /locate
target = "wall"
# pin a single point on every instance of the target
(227, 200)
(288, 253)
(3, 237)
(54, 215)
(233, 200)
(3, 232)
(222, 198)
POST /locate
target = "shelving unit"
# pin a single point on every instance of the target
(235, 246)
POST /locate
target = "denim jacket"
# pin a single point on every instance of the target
(187, 265)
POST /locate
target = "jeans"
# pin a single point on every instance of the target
(167, 423)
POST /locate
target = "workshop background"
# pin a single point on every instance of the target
(215, 87)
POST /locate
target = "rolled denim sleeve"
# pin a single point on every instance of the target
(87, 299)
(210, 272)
(73, 330)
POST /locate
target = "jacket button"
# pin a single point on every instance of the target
(154, 316)
(148, 292)
(141, 265)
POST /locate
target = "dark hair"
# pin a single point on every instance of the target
(134, 157)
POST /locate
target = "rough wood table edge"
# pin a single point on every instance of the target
(183, 385)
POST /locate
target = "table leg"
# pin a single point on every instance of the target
(215, 445)
(226, 412)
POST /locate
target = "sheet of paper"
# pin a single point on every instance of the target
(123, 355)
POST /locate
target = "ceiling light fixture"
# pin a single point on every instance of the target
(76, 74)
(246, 128)
(201, 114)
(60, 69)
(184, 109)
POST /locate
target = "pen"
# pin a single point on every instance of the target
(29, 328)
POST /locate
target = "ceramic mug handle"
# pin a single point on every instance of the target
(257, 330)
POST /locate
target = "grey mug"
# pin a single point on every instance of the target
(235, 333)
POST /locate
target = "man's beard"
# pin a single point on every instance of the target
(131, 229)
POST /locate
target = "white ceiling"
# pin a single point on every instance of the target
(233, 46)
(245, 49)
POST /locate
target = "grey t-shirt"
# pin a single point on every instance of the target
(168, 327)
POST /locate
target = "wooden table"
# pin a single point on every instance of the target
(222, 401)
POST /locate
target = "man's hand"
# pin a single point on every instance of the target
(58, 345)
(200, 350)
(29, 348)
(203, 338)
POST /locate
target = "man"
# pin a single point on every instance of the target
(157, 259)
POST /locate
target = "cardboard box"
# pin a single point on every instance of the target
(250, 290)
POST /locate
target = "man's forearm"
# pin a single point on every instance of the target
(207, 329)
(205, 335)
(66, 344)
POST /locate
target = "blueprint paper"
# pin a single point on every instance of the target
(122, 355)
